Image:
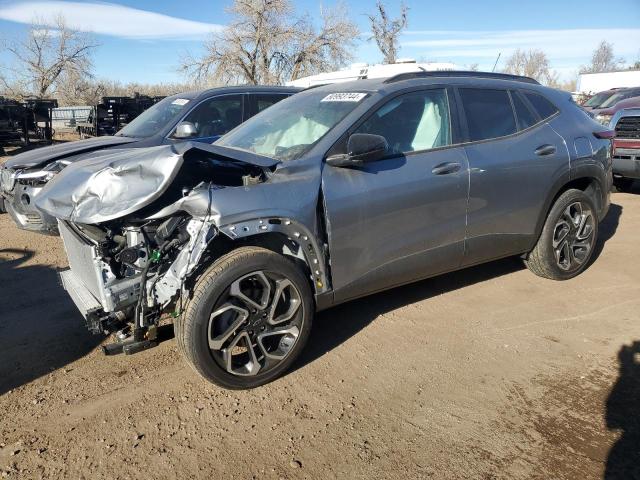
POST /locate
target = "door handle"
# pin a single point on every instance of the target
(543, 150)
(446, 168)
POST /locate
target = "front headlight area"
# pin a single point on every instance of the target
(603, 119)
(42, 175)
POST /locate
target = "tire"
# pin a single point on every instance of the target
(3, 209)
(622, 184)
(553, 258)
(232, 286)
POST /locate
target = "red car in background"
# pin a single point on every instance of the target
(598, 99)
(626, 147)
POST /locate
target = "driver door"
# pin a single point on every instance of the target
(403, 217)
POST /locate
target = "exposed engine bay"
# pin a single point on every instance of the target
(137, 231)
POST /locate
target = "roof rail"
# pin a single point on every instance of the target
(462, 73)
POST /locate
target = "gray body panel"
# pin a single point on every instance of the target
(394, 220)
(508, 187)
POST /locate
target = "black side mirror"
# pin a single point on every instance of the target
(361, 148)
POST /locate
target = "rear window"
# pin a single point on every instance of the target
(543, 106)
(525, 117)
(488, 112)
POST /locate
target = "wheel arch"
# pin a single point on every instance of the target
(281, 235)
(588, 182)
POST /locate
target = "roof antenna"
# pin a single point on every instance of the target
(496, 64)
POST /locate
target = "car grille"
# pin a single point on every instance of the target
(7, 179)
(33, 219)
(628, 127)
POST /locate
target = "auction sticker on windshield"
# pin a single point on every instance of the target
(344, 97)
(180, 101)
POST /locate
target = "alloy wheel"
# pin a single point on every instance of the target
(573, 236)
(255, 323)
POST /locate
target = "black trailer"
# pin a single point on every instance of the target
(20, 121)
(113, 113)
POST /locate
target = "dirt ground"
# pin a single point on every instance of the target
(487, 373)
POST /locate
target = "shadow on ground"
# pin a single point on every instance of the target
(336, 325)
(623, 415)
(40, 328)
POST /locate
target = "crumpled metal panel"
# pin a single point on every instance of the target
(111, 186)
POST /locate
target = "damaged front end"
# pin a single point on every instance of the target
(131, 274)
(20, 187)
(138, 226)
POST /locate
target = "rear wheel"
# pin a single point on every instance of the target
(249, 318)
(568, 238)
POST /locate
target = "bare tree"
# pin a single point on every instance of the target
(603, 60)
(73, 88)
(531, 63)
(50, 50)
(265, 43)
(386, 31)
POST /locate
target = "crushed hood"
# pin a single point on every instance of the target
(125, 180)
(39, 157)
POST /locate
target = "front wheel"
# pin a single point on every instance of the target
(568, 238)
(248, 319)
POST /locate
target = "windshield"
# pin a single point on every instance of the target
(154, 119)
(618, 97)
(288, 129)
(597, 99)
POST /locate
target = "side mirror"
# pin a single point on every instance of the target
(185, 130)
(362, 148)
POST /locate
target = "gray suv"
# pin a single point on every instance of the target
(335, 193)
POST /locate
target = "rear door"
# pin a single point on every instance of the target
(403, 217)
(514, 160)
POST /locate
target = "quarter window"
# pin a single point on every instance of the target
(265, 100)
(216, 116)
(525, 116)
(488, 112)
(543, 106)
(412, 122)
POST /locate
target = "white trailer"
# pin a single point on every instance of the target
(589, 83)
(359, 71)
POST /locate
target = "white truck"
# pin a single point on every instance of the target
(358, 71)
(590, 83)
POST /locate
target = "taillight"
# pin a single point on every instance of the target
(605, 134)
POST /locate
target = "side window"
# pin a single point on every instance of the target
(216, 116)
(543, 106)
(488, 112)
(265, 100)
(412, 122)
(526, 118)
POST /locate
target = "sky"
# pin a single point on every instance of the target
(143, 41)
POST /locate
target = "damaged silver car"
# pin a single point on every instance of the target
(335, 193)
